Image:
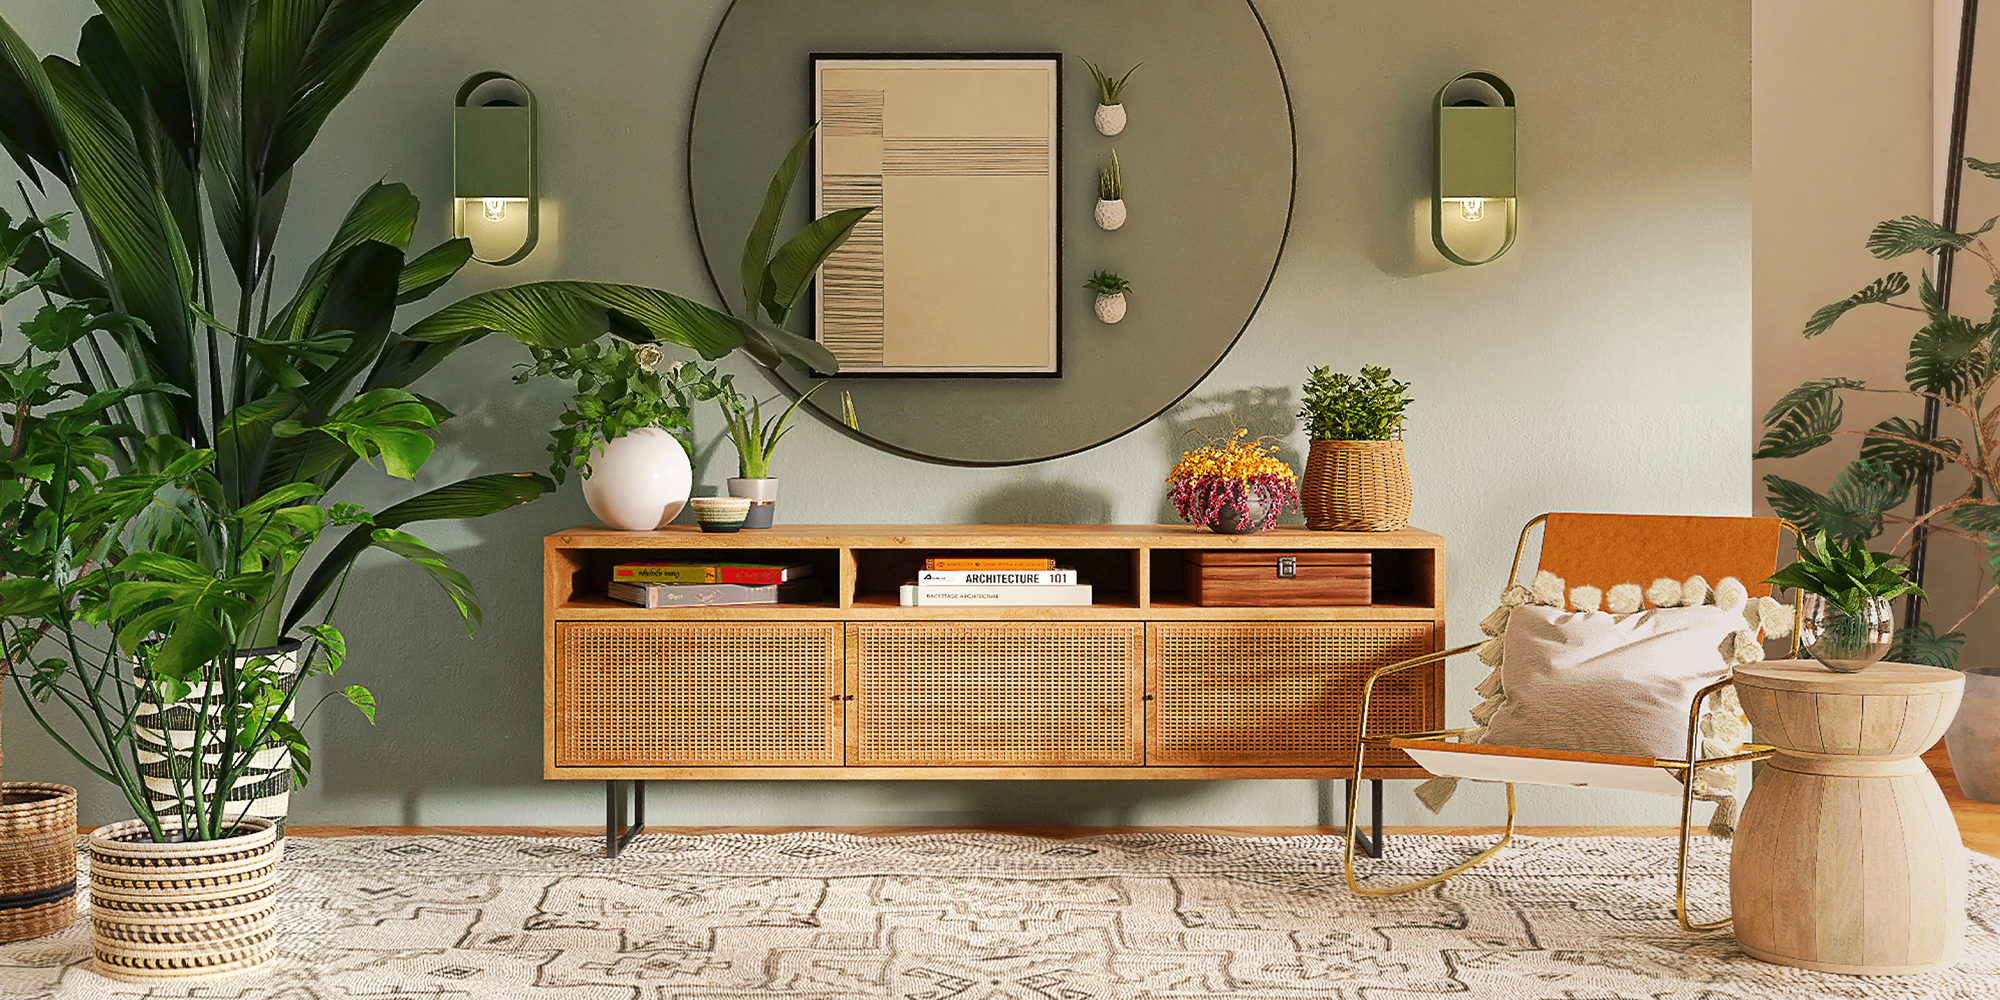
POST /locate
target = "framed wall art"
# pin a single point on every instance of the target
(958, 273)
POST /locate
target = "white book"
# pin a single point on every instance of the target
(997, 577)
(1030, 595)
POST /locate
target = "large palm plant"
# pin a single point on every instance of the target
(175, 131)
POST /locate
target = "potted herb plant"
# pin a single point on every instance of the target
(1844, 593)
(1953, 363)
(1110, 289)
(1110, 213)
(1234, 488)
(755, 438)
(1357, 478)
(1110, 115)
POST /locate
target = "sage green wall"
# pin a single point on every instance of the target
(1603, 364)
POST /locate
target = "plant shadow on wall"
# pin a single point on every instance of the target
(1034, 500)
(1954, 363)
(1262, 411)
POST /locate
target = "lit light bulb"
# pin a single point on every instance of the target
(1469, 209)
(496, 210)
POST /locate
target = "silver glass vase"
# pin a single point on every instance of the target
(1844, 641)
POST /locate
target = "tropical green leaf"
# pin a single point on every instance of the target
(30, 128)
(546, 314)
(455, 584)
(1921, 644)
(1801, 420)
(387, 422)
(1981, 516)
(1949, 357)
(795, 263)
(772, 347)
(1986, 167)
(764, 232)
(1899, 442)
(1850, 509)
(360, 300)
(1806, 394)
(1882, 289)
(1913, 233)
(349, 35)
(476, 497)
(430, 270)
(385, 213)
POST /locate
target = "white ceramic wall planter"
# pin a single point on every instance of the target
(1110, 118)
(1111, 308)
(639, 481)
(1110, 214)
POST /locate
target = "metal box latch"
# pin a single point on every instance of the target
(1288, 567)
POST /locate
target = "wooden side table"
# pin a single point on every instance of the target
(1847, 858)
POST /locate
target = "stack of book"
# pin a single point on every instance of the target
(1001, 582)
(688, 584)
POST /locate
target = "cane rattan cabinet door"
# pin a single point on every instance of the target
(997, 694)
(698, 694)
(1272, 694)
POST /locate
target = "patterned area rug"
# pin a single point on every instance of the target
(986, 917)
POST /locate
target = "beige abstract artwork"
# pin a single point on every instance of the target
(957, 272)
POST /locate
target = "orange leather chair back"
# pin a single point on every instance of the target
(1604, 550)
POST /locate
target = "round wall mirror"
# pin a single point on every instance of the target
(1207, 158)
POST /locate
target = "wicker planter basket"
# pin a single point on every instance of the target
(177, 912)
(37, 859)
(1356, 486)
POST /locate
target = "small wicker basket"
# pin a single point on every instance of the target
(1356, 486)
(37, 859)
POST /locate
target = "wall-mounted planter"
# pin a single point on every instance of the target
(1110, 118)
(1111, 308)
(1110, 214)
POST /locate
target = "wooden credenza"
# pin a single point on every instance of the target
(1143, 684)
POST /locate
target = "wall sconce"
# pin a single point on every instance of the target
(495, 164)
(1473, 202)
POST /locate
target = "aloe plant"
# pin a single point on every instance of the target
(1953, 362)
(175, 130)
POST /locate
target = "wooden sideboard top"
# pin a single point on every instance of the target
(993, 536)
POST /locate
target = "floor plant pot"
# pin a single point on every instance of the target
(1973, 741)
(1356, 486)
(763, 497)
(177, 912)
(166, 739)
(639, 481)
(37, 859)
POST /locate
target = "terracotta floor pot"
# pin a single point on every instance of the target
(182, 911)
(1974, 737)
(37, 859)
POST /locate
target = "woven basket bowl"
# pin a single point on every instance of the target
(183, 911)
(37, 859)
(1356, 486)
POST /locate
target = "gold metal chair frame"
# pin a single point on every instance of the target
(1684, 768)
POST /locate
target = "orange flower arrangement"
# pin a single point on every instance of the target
(1212, 478)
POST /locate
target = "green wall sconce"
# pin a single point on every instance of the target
(1475, 212)
(494, 164)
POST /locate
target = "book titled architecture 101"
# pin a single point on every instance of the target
(987, 577)
(963, 563)
(1017, 595)
(687, 595)
(752, 574)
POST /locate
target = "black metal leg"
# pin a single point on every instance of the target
(616, 834)
(1371, 843)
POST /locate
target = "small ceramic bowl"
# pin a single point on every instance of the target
(720, 514)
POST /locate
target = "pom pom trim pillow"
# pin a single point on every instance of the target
(1619, 681)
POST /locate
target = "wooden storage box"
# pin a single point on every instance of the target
(1279, 579)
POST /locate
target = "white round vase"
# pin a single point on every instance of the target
(1111, 308)
(1110, 118)
(1110, 214)
(639, 481)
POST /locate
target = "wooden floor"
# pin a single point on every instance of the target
(1978, 824)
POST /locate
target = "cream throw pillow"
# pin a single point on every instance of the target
(1604, 683)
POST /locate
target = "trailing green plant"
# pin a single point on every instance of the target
(144, 586)
(1111, 180)
(1847, 574)
(175, 130)
(1110, 89)
(621, 386)
(1343, 407)
(1952, 360)
(1107, 283)
(755, 438)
